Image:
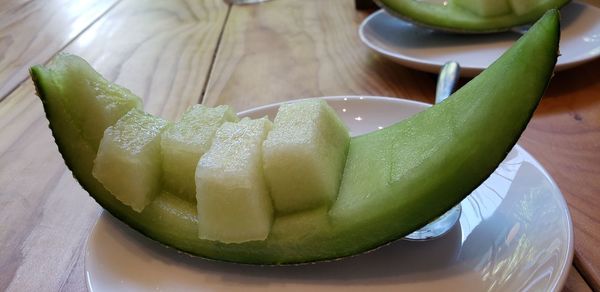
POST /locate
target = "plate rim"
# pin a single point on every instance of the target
(566, 260)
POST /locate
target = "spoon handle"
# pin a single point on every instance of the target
(449, 75)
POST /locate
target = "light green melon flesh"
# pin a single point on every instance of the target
(233, 200)
(185, 142)
(128, 159)
(511, 87)
(304, 156)
(107, 102)
(485, 8)
(455, 18)
(521, 7)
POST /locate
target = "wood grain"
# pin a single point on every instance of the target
(569, 147)
(32, 31)
(282, 50)
(160, 49)
(36, 185)
(564, 135)
(575, 283)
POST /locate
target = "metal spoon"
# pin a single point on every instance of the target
(449, 75)
(448, 78)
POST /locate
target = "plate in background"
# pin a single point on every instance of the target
(426, 50)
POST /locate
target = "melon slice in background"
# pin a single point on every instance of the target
(521, 7)
(485, 8)
(471, 16)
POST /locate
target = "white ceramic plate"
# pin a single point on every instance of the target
(426, 50)
(514, 234)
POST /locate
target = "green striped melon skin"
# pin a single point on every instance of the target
(233, 200)
(185, 142)
(128, 162)
(512, 87)
(304, 156)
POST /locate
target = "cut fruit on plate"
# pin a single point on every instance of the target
(470, 16)
(119, 258)
(395, 180)
(185, 142)
(128, 159)
(304, 156)
(233, 201)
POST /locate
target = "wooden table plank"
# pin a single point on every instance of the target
(575, 282)
(32, 31)
(37, 202)
(564, 136)
(160, 49)
(283, 50)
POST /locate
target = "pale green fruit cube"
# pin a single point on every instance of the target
(304, 156)
(233, 201)
(128, 159)
(185, 142)
(485, 8)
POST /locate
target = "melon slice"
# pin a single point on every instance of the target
(232, 197)
(485, 8)
(469, 16)
(304, 156)
(128, 160)
(521, 7)
(185, 142)
(487, 117)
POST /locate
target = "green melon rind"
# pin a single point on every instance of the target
(320, 236)
(458, 134)
(454, 18)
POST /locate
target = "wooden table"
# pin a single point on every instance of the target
(178, 53)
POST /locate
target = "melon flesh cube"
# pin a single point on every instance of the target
(93, 102)
(304, 156)
(185, 142)
(128, 160)
(524, 6)
(232, 197)
(485, 8)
